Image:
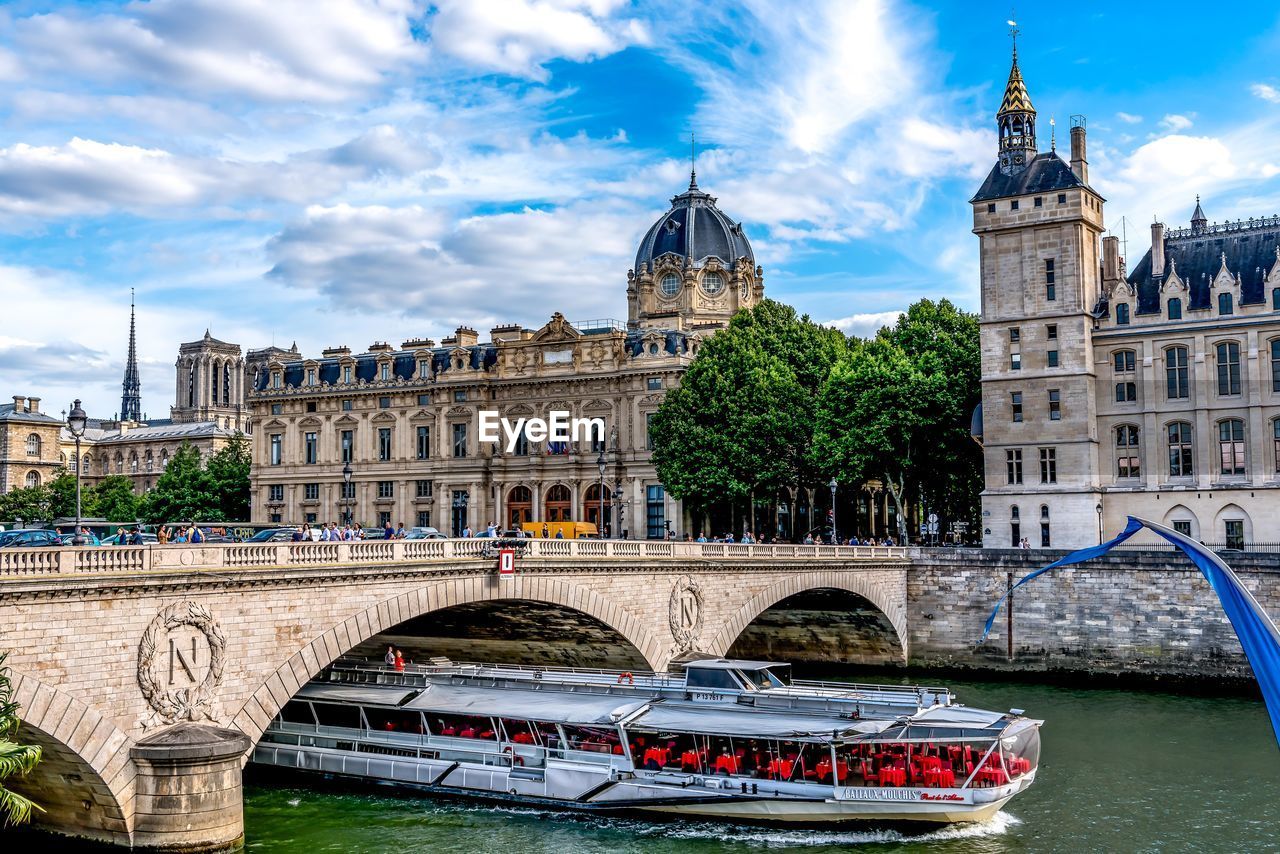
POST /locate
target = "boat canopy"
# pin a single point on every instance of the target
(348, 693)
(961, 717)
(750, 723)
(558, 706)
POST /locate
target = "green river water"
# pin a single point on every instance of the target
(1120, 771)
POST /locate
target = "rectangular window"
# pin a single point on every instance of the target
(1127, 461)
(655, 512)
(424, 519)
(346, 444)
(460, 396)
(1062, 198)
(311, 406)
(384, 403)
(424, 400)
(384, 444)
(1275, 365)
(1231, 446)
(424, 369)
(277, 408)
(311, 376)
(1013, 205)
(348, 491)
(598, 442)
(1126, 392)
(648, 431)
(310, 518)
(309, 449)
(384, 372)
(274, 517)
(1175, 371)
(1013, 465)
(386, 489)
(1051, 332)
(277, 444)
(1039, 201)
(1275, 431)
(346, 404)
(1015, 361)
(384, 518)
(1124, 361)
(424, 443)
(459, 440)
(1055, 405)
(422, 489)
(1050, 281)
(1180, 456)
(275, 493)
(1048, 465)
(1228, 353)
(346, 373)
(1234, 530)
(311, 492)
(655, 383)
(1182, 526)
(1015, 403)
(1051, 358)
(1015, 335)
(991, 207)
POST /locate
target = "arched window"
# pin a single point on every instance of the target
(1175, 308)
(33, 445)
(1228, 354)
(1122, 314)
(133, 463)
(150, 462)
(1224, 303)
(1180, 450)
(119, 463)
(164, 460)
(559, 504)
(1045, 539)
(519, 506)
(521, 448)
(226, 385)
(1127, 457)
(191, 385)
(1177, 386)
(33, 479)
(1231, 446)
(1015, 528)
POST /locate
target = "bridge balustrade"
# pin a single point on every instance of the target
(19, 563)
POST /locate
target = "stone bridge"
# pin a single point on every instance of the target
(146, 673)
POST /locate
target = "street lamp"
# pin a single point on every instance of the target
(1099, 509)
(346, 489)
(835, 540)
(601, 464)
(76, 423)
(617, 525)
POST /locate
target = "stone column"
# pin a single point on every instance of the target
(189, 794)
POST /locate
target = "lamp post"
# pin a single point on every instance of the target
(601, 464)
(346, 490)
(835, 540)
(617, 525)
(1099, 509)
(76, 423)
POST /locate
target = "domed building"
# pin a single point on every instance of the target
(694, 267)
(405, 421)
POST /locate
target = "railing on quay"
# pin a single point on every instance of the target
(178, 557)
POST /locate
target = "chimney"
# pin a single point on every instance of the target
(1079, 162)
(33, 404)
(467, 337)
(1110, 258)
(18, 400)
(1157, 250)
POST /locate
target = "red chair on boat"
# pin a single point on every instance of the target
(870, 776)
(689, 761)
(726, 764)
(469, 732)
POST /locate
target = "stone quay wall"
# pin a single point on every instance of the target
(1135, 615)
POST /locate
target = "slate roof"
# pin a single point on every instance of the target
(1046, 173)
(1197, 257)
(694, 228)
(7, 413)
(191, 430)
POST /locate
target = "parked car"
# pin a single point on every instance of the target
(272, 535)
(123, 539)
(29, 538)
(424, 533)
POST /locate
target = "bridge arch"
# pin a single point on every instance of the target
(265, 703)
(85, 776)
(893, 608)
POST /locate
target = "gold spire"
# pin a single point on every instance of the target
(1016, 99)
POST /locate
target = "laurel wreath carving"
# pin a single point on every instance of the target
(183, 704)
(684, 635)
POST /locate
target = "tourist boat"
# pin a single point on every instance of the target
(720, 738)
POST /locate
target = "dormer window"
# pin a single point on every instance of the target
(346, 373)
(424, 369)
(1122, 314)
(275, 379)
(1224, 304)
(311, 376)
(712, 283)
(1175, 308)
(384, 372)
(670, 284)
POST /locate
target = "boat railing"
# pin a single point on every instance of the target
(923, 692)
(351, 669)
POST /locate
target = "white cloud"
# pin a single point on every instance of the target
(285, 50)
(1176, 122)
(865, 325)
(1129, 118)
(518, 36)
(1266, 92)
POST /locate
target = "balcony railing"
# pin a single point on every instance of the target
(72, 561)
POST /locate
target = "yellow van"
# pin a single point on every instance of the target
(567, 530)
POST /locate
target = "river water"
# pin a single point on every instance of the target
(1120, 771)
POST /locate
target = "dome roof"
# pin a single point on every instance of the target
(696, 229)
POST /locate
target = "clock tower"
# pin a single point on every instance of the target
(1017, 123)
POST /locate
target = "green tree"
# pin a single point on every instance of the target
(228, 472)
(740, 422)
(184, 492)
(15, 757)
(62, 491)
(28, 503)
(113, 499)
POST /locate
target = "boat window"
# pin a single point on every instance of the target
(297, 712)
(1021, 751)
(709, 677)
(593, 739)
(762, 679)
(332, 714)
(394, 720)
(462, 726)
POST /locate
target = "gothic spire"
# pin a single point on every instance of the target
(1198, 220)
(1016, 118)
(131, 400)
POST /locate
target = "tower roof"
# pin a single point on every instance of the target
(1198, 219)
(1016, 99)
(694, 228)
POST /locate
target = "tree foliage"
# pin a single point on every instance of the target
(184, 492)
(112, 498)
(28, 503)
(740, 421)
(228, 473)
(16, 759)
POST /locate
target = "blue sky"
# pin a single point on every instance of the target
(362, 170)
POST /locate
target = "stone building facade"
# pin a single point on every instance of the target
(406, 419)
(29, 450)
(1107, 393)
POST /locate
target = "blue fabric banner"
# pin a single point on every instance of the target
(1257, 632)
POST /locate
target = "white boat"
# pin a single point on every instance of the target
(728, 739)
